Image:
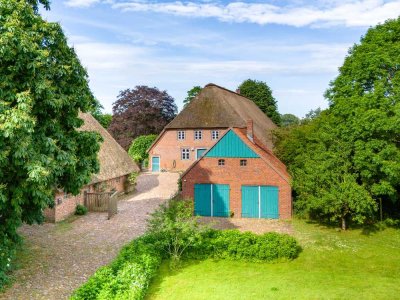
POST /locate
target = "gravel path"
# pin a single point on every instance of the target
(62, 256)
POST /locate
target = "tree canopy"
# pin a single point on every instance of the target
(191, 94)
(42, 89)
(261, 94)
(289, 120)
(346, 159)
(140, 111)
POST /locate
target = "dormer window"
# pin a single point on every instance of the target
(198, 134)
(181, 135)
(215, 134)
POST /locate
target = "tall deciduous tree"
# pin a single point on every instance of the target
(347, 159)
(191, 94)
(261, 94)
(141, 111)
(42, 88)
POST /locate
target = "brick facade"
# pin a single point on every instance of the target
(257, 172)
(169, 147)
(65, 204)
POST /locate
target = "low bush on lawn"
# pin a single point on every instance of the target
(174, 233)
(236, 245)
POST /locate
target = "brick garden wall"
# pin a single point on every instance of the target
(65, 204)
(169, 148)
(257, 172)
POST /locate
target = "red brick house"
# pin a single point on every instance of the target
(201, 124)
(115, 166)
(239, 176)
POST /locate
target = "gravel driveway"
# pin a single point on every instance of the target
(62, 256)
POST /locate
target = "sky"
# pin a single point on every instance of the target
(295, 46)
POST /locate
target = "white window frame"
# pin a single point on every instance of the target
(181, 134)
(198, 135)
(221, 162)
(244, 161)
(215, 134)
(185, 153)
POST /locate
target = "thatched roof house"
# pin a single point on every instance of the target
(115, 166)
(114, 161)
(217, 107)
(201, 123)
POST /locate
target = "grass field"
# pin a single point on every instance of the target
(333, 265)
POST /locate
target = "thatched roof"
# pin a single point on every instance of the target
(217, 107)
(114, 161)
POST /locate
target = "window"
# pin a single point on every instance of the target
(215, 134)
(198, 134)
(221, 162)
(243, 162)
(181, 135)
(185, 154)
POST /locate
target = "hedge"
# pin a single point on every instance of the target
(130, 274)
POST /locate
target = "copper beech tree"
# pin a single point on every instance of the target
(140, 111)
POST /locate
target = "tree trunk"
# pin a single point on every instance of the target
(344, 225)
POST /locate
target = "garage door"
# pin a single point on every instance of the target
(260, 202)
(211, 200)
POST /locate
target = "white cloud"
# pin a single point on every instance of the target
(81, 3)
(113, 67)
(327, 13)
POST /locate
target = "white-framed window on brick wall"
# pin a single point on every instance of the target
(181, 135)
(215, 134)
(198, 134)
(185, 153)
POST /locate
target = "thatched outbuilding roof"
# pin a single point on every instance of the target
(217, 107)
(114, 161)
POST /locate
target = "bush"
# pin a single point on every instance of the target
(81, 210)
(236, 245)
(7, 255)
(128, 276)
(138, 149)
(175, 228)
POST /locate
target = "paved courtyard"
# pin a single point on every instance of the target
(60, 257)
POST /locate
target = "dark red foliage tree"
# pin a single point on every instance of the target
(140, 111)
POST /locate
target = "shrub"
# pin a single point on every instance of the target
(176, 228)
(233, 244)
(81, 210)
(138, 149)
(128, 276)
(7, 255)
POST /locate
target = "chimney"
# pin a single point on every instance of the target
(249, 124)
(237, 91)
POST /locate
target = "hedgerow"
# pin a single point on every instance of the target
(130, 274)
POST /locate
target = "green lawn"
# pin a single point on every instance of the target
(333, 265)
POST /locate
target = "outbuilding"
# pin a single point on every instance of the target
(239, 177)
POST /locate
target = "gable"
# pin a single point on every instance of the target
(230, 145)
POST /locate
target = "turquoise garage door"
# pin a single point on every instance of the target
(211, 200)
(155, 164)
(260, 201)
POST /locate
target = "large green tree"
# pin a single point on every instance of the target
(261, 94)
(42, 88)
(191, 94)
(346, 160)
